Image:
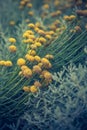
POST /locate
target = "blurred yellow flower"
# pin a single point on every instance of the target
(37, 58)
(29, 57)
(36, 69)
(12, 48)
(33, 89)
(27, 72)
(37, 84)
(2, 62)
(12, 40)
(26, 89)
(21, 61)
(8, 63)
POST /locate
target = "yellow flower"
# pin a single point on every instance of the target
(36, 29)
(2, 62)
(77, 29)
(37, 58)
(8, 63)
(33, 46)
(42, 40)
(36, 69)
(12, 48)
(31, 13)
(47, 76)
(46, 6)
(41, 32)
(30, 32)
(33, 89)
(27, 72)
(58, 12)
(29, 5)
(38, 44)
(12, 40)
(40, 65)
(12, 23)
(22, 3)
(48, 37)
(48, 56)
(32, 52)
(37, 24)
(51, 32)
(25, 35)
(72, 17)
(29, 57)
(37, 84)
(32, 37)
(56, 2)
(23, 67)
(66, 17)
(21, 61)
(28, 41)
(44, 61)
(53, 27)
(26, 89)
(31, 25)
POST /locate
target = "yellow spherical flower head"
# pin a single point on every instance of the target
(41, 32)
(36, 29)
(12, 23)
(26, 89)
(46, 6)
(46, 63)
(12, 48)
(36, 69)
(25, 35)
(31, 13)
(48, 37)
(27, 72)
(32, 37)
(33, 89)
(37, 24)
(32, 52)
(29, 5)
(72, 17)
(48, 75)
(21, 61)
(51, 32)
(23, 67)
(66, 17)
(2, 62)
(37, 58)
(42, 40)
(30, 32)
(49, 56)
(29, 57)
(38, 44)
(28, 41)
(37, 84)
(31, 25)
(40, 65)
(8, 63)
(12, 40)
(33, 46)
